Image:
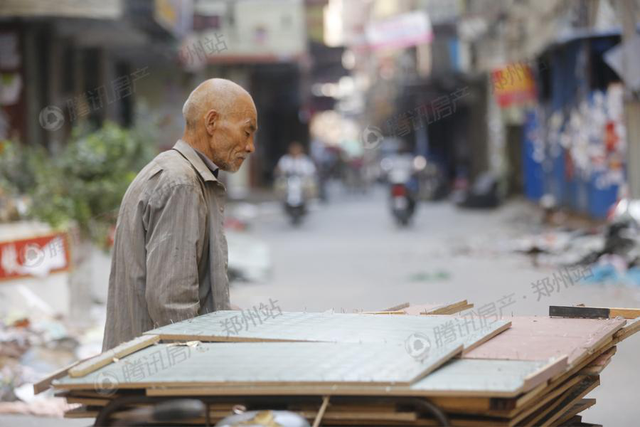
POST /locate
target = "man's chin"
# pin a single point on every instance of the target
(237, 166)
(231, 168)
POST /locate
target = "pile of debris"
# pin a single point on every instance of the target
(31, 346)
(403, 366)
(612, 251)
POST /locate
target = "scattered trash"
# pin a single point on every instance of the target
(45, 407)
(33, 345)
(483, 193)
(436, 276)
(611, 250)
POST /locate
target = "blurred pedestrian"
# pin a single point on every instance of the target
(296, 162)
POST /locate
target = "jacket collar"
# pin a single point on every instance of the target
(192, 156)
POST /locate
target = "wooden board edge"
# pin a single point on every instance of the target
(596, 366)
(590, 312)
(444, 359)
(215, 338)
(531, 418)
(562, 378)
(104, 359)
(547, 421)
(45, 383)
(385, 312)
(486, 338)
(545, 373)
(572, 312)
(81, 412)
(629, 329)
(450, 308)
(398, 307)
(523, 411)
(578, 407)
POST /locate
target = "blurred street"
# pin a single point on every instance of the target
(448, 254)
(327, 155)
(351, 257)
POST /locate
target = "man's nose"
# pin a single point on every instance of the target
(250, 148)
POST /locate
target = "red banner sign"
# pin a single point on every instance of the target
(513, 85)
(34, 257)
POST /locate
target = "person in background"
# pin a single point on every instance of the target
(296, 167)
(296, 162)
(322, 158)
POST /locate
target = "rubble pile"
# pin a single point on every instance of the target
(612, 251)
(30, 348)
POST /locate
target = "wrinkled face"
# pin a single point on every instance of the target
(230, 136)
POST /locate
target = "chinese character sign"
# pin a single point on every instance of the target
(38, 256)
(513, 85)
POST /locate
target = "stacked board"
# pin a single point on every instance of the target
(356, 369)
(427, 309)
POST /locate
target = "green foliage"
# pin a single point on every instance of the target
(15, 161)
(85, 183)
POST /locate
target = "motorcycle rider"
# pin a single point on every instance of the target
(295, 181)
(402, 172)
(296, 162)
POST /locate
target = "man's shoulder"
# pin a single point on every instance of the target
(167, 169)
(176, 169)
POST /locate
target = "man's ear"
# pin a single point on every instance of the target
(211, 121)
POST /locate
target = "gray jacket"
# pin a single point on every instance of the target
(170, 254)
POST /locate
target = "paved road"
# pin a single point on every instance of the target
(350, 256)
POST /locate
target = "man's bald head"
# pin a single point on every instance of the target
(221, 95)
(221, 120)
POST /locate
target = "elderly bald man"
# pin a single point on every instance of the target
(170, 253)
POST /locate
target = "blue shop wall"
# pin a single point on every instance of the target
(563, 143)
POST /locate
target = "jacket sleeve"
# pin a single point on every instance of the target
(176, 221)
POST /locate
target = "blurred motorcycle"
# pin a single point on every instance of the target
(403, 186)
(402, 203)
(296, 182)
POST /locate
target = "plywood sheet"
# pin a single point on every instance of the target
(103, 359)
(459, 377)
(557, 408)
(100, 360)
(264, 363)
(632, 327)
(437, 331)
(572, 412)
(542, 338)
(427, 309)
(597, 366)
(561, 380)
(476, 377)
